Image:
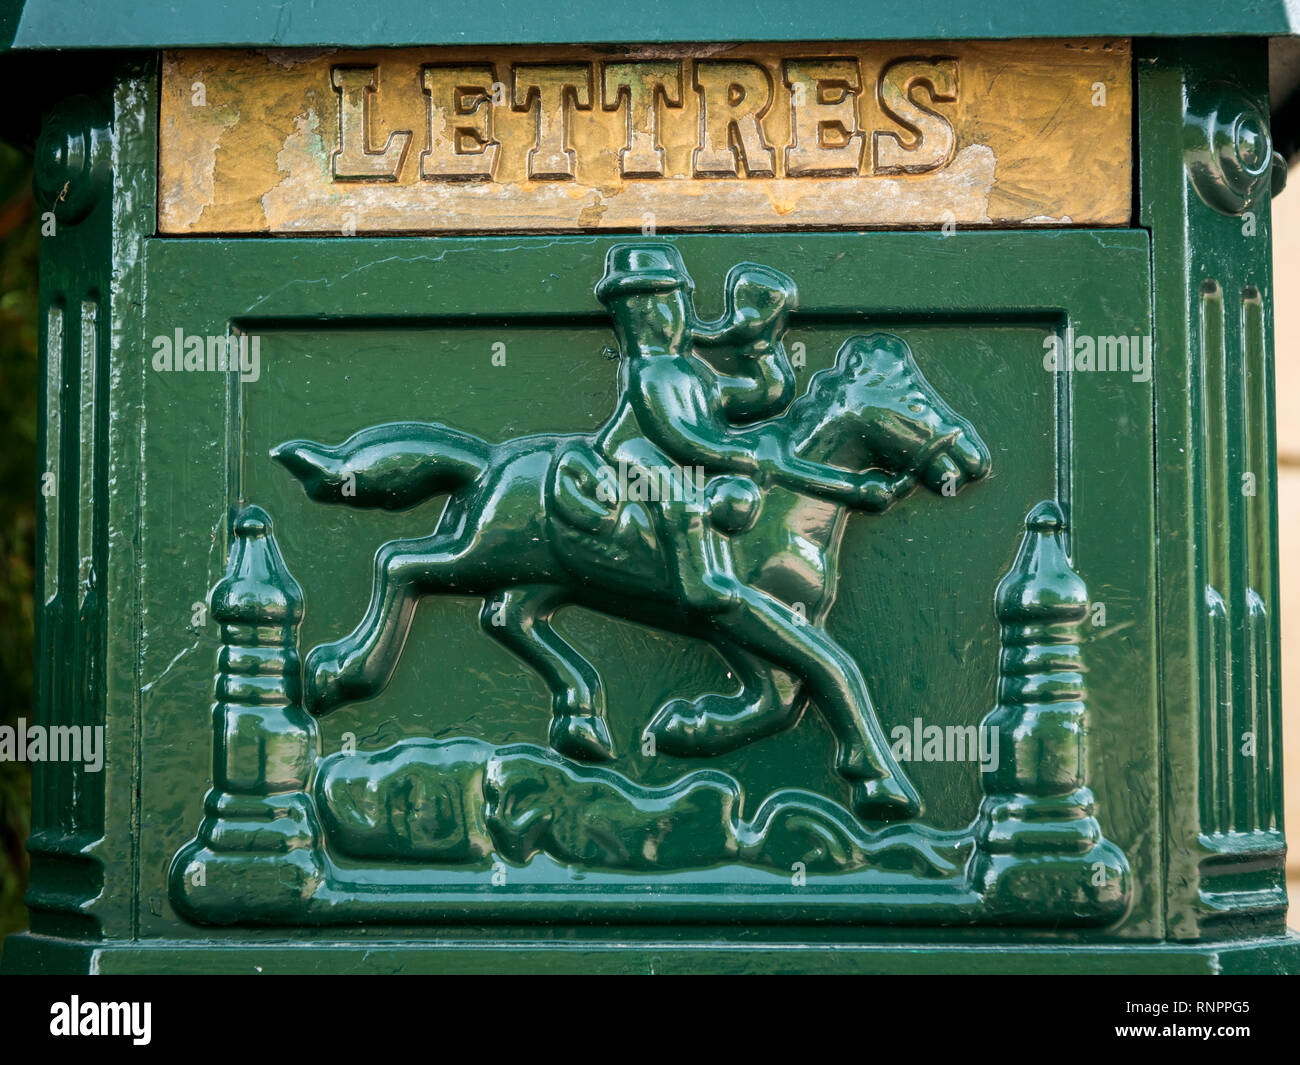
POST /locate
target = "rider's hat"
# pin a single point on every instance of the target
(632, 269)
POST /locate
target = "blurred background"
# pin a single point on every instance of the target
(18, 250)
(18, 307)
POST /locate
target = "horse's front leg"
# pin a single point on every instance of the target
(520, 618)
(773, 631)
(360, 665)
(715, 724)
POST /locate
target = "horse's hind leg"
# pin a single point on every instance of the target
(520, 618)
(361, 664)
(715, 724)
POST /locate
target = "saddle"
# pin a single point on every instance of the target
(595, 529)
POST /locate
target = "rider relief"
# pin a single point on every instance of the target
(712, 504)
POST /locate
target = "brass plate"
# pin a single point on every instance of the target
(841, 136)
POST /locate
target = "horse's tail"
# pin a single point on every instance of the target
(392, 466)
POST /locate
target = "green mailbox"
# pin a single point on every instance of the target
(654, 490)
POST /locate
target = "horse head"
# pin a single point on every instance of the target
(888, 416)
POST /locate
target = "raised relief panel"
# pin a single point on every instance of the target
(649, 139)
(615, 596)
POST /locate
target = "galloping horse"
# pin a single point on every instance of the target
(499, 538)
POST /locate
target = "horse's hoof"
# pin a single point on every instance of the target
(583, 737)
(886, 799)
(854, 762)
(675, 729)
(322, 682)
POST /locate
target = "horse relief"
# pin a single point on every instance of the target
(734, 542)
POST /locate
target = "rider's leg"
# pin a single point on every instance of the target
(715, 724)
(701, 563)
(773, 631)
(520, 618)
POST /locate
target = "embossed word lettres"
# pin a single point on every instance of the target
(758, 136)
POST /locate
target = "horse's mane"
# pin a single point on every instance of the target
(858, 355)
(824, 387)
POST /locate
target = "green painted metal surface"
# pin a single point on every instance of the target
(46, 24)
(1215, 453)
(393, 675)
(701, 950)
(538, 295)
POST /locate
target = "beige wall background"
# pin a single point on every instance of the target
(1286, 332)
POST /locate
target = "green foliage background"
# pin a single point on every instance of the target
(19, 236)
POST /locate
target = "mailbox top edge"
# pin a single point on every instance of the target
(37, 25)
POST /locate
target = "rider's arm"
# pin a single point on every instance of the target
(873, 490)
(663, 404)
(839, 486)
(763, 391)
